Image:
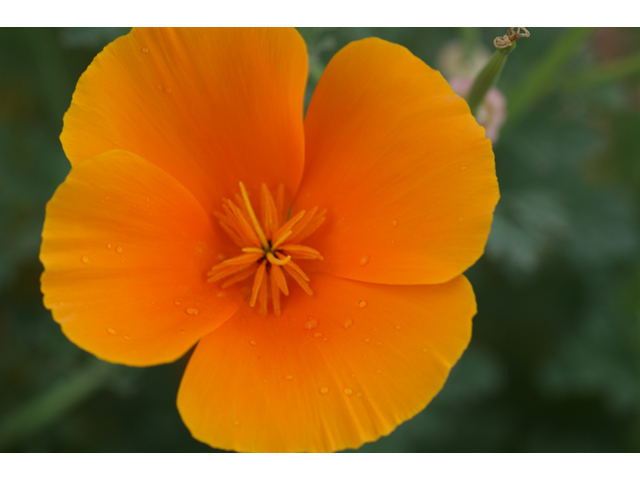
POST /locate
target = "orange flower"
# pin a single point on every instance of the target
(188, 146)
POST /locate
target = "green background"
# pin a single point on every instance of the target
(555, 356)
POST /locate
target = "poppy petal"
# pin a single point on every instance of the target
(337, 369)
(405, 172)
(211, 107)
(126, 249)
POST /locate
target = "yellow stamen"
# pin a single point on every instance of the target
(289, 225)
(265, 256)
(275, 261)
(280, 240)
(254, 220)
(275, 294)
(278, 276)
(257, 283)
(253, 250)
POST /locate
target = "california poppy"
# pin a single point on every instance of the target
(175, 135)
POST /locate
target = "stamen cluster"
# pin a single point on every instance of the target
(268, 247)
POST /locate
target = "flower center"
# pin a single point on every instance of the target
(269, 248)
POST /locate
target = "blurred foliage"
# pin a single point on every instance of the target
(555, 357)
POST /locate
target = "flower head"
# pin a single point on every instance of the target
(316, 263)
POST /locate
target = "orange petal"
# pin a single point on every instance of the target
(337, 369)
(206, 105)
(126, 250)
(405, 172)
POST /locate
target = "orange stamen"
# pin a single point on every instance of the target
(264, 254)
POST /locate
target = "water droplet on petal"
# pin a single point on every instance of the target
(119, 249)
(378, 372)
(348, 391)
(145, 50)
(311, 323)
(464, 168)
(347, 323)
(317, 334)
(220, 294)
(362, 303)
(367, 340)
(324, 390)
(85, 260)
(398, 327)
(236, 422)
(289, 377)
(127, 337)
(364, 260)
(111, 331)
(394, 223)
(109, 245)
(192, 311)
(178, 302)
(252, 342)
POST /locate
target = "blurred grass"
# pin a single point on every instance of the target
(555, 358)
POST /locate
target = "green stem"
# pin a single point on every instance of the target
(43, 410)
(488, 77)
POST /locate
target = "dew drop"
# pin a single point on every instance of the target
(178, 302)
(394, 223)
(252, 342)
(85, 260)
(111, 331)
(145, 50)
(220, 294)
(317, 334)
(464, 168)
(364, 260)
(324, 390)
(192, 311)
(289, 377)
(119, 249)
(109, 245)
(362, 303)
(378, 372)
(236, 422)
(348, 391)
(347, 323)
(127, 337)
(398, 327)
(367, 340)
(311, 323)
